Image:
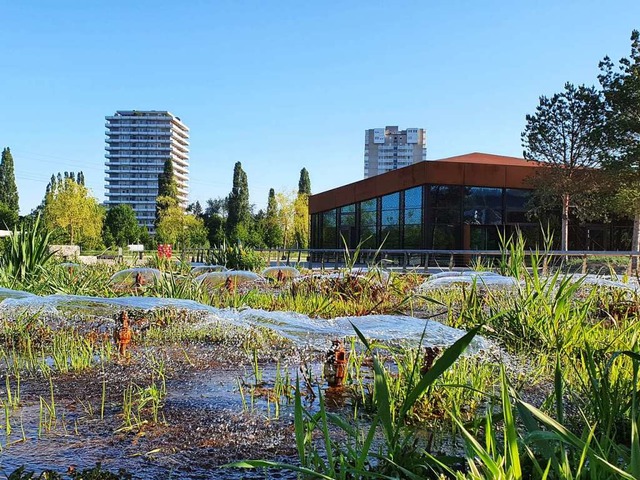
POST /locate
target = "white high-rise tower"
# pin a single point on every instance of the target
(138, 144)
(388, 148)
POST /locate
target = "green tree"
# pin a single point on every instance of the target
(8, 188)
(301, 210)
(304, 184)
(70, 207)
(215, 217)
(565, 136)
(167, 190)
(196, 209)
(239, 209)
(8, 217)
(286, 216)
(271, 231)
(180, 228)
(301, 220)
(121, 226)
(167, 185)
(621, 87)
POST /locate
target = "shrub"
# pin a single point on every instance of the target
(236, 257)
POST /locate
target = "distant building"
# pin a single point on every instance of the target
(138, 144)
(465, 202)
(388, 148)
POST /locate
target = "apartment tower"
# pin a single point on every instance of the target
(388, 148)
(138, 144)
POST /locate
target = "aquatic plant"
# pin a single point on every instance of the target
(27, 250)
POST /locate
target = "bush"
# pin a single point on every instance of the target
(236, 257)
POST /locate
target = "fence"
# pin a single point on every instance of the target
(404, 260)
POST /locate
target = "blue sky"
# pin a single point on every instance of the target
(285, 85)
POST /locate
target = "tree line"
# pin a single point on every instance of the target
(587, 139)
(74, 215)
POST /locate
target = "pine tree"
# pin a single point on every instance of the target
(167, 186)
(8, 188)
(301, 208)
(272, 231)
(167, 190)
(304, 184)
(239, 208)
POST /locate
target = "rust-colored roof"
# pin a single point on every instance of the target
(478, 169)
(487, 159)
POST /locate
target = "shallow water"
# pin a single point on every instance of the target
(301, 329)
(207, 400)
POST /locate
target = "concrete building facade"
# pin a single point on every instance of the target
(387, 149)
(138, 143)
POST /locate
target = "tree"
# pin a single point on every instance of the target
(167, 190)
(180, 228)
(196, 209)
(8, 188)
(304, 184)
(286, 215)
(70, 207)
(121, 226)
(271, 231)
(215, 217)
(8, 217)
(301, 208)
(621, 87)
(564, 135)
(239, 210)
(167, 185)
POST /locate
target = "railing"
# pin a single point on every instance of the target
(417, 260)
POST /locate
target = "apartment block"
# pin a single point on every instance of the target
(138, 143)
(387, 149)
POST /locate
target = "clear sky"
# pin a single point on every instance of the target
(285, 85)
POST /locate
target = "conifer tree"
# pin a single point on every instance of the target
(301, 209)
(167, 186)
(167, 190)
(238, 204)
(8, 188)
(304, 184)
(272, 230)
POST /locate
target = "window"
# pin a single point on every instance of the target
(368, 223)
(516, 203)
(329, 234)
(412, 237)
(444, 204)
(390, 220)
(483, 206)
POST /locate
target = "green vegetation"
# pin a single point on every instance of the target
(72, 213)
(9, 208)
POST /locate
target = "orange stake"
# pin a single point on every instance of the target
(122, 333)
(335, 366)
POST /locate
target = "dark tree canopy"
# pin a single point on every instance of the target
(621, 87)
(167, 186)
(304, 184)
(196, 209)
(565, 135)
(272, 232)
(8, 188)
(239, 209)
(167, 190)
(121, 226)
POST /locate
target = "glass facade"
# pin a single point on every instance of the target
(450, 217)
